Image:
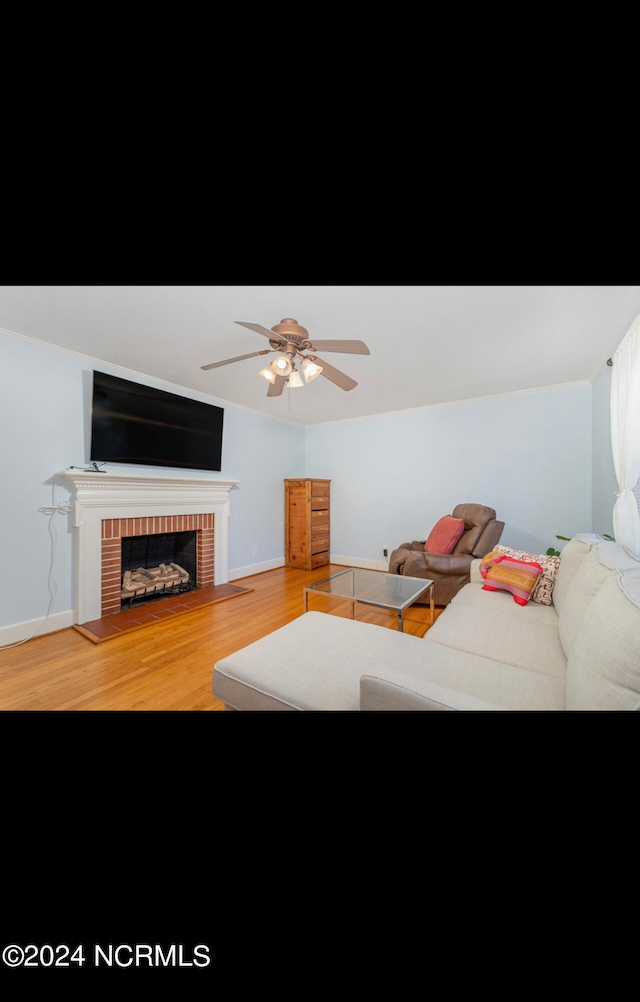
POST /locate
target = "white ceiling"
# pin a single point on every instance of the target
(428, 344)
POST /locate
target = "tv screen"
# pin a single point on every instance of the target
(131, 423)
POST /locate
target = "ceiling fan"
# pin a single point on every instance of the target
(292, 341)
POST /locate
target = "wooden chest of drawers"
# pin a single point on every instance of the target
(306, 523)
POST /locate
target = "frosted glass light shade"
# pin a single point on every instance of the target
(310, 369)
(294, 379)
(282, 366)
(268, 373)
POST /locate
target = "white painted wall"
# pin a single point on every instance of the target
(263, 453)
(393, 475)
(44, 428)
(529, 456)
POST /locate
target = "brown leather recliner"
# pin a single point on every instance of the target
(450, 571)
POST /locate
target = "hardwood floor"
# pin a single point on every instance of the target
(168, 665)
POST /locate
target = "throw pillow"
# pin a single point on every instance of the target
(544, 588)
(444, 535)
(516, 576)
(487, 561)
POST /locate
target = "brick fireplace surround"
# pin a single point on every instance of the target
(111, 506)
(114, 530)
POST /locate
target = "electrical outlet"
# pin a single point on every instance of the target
(255, 551)
(385, 552)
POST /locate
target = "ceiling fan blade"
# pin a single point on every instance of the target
(339, 378)
(238, 358)
(349, 347)
(275, 389)
(259, 329)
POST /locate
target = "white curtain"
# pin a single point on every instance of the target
(625, 436)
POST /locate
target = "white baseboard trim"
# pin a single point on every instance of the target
(265, 565)
(269, 565)
(19, 632)
(371, 565)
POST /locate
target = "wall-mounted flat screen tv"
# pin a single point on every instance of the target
(132, 423)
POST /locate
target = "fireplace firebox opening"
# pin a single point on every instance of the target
(154, 566)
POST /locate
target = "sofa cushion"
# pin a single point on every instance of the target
(603, 669)
(530, 643)
(603, 560)
(543, 590)
(474, 594)
(464, 674)
(390, 689)
(313, 663)
(518, 577)
(571, 557)
(583, 587)
(444, 535)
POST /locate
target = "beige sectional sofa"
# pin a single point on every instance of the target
(484, 652)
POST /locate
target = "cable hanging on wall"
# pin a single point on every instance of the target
(60, 508)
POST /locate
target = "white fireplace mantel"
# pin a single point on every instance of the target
(101, 496)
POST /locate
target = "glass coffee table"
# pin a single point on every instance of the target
(379, 588)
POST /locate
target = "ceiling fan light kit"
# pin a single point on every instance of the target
(291, 340)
